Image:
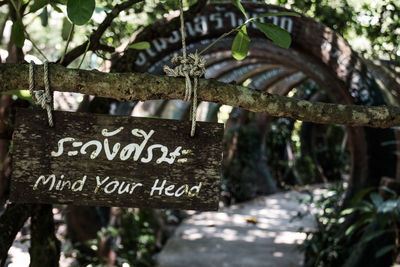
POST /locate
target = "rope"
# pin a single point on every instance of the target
(182, 28)
(191, 67)
(42, 98)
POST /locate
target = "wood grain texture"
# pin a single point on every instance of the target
(34, 143)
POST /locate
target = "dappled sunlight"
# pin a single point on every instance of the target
(261, 230)
(289, 238)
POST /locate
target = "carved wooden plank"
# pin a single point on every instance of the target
(103, 160)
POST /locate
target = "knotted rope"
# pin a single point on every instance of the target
(191, 67)
(42, 98)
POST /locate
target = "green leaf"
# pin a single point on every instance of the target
(113, 231)
(360, 195)
(63, 2)
(80, 11)
(140, 45)
(23, 94)
(66, 28)
(37, 4)
(347, 211)
(358, 224)
(240, 45)
(365, 206)
(44, 17)
(278, 35)
(376, 199)
(387, 206)
(17, 34)
(276, 14)
(387, 189)
(239, 6)
(384, 250)
(56, 8)
(374, 235)
(10, 92)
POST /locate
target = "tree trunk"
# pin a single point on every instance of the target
(45, 247)
(11, 221)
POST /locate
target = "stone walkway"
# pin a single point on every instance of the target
(260, 232)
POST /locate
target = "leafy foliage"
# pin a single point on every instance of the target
(275, 33)
(80, 11)
(370, 26)
(133, 240)
(375, 218)
(323, 246)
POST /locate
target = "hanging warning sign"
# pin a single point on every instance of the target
(103, 160)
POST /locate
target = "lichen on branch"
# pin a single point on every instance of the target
(144, 86)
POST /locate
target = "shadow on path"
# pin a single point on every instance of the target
(260, 232)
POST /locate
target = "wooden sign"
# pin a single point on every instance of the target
(104, 160)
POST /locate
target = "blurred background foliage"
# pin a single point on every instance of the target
(296, 153)
(371, 27)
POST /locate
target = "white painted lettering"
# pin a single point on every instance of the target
(174, 38)
(78, 185)
(100, 183)
(116, 148)
(195, 190)
(106, 133)
(189, 29)
(160, 44)
(122, 189)
(216, 17)
(134, 185)
(181, 190)
(43, 179)
(141, 59)
(169, 188)
(110, 187)
(96, 152)
(61, 146)
(232, 17)
(141, 133)
(155, 188)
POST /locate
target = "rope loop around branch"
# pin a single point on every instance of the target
(42, 98)
(192, 67)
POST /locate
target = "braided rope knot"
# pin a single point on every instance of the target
(41, 97)
(193, 66)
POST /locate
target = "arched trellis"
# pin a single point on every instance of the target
(316, 53)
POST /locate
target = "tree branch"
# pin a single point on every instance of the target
(96, 35)
(144, 86)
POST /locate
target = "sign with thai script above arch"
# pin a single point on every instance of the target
(102, 160)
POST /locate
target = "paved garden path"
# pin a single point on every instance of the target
(258, 233)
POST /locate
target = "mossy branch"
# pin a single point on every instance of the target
(143, 86)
